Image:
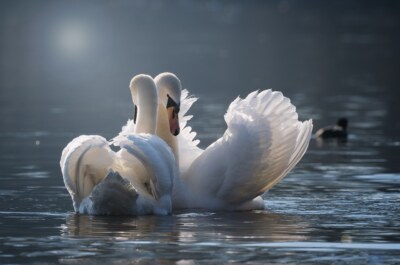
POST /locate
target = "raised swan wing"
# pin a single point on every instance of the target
(264, 140)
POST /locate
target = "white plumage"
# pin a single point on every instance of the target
(264, 141)
(136, 180)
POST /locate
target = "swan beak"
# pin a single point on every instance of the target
(173, 121)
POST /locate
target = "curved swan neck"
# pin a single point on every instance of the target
(163, 131)
(144, 95)
(168, 85)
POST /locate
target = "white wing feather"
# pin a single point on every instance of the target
(103, 182)
(161, 170)
(187, 142)
(127, 129)
(157, 158)
(84, 162)
(264, 140)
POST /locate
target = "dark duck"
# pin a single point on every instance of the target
(338, 131)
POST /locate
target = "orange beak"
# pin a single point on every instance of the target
(173, 121)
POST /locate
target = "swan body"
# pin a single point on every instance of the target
(263, 141)
(137, 179)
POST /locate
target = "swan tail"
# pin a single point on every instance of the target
(263, 142)
(114, 195)
(84, 163)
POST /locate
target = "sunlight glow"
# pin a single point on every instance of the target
(72, 39)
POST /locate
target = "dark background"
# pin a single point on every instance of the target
(56, 54)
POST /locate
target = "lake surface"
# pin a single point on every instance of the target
(341, 203)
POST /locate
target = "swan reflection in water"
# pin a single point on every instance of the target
(185, 227)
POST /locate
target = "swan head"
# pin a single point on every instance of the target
(143, 82)
(145, 99)
(169, 94)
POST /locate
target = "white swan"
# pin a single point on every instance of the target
(136, 180)
(264, 140)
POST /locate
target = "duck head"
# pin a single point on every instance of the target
(342, 122)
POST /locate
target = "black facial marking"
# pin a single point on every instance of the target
(135, 114)
(172, 103)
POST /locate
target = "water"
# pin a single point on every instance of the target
(341, 203)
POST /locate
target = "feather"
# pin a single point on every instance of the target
(263, 141)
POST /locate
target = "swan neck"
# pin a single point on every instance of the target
(147, 105)
(163, 130)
